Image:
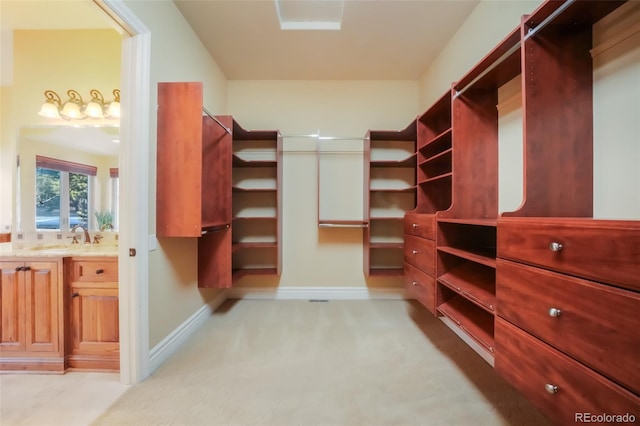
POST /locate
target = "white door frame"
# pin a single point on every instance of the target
(134, 194)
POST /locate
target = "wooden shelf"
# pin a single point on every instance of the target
(436, 178)
(476, 222)
(238, 189)
(484, 257)
(239, 162)
(383, 242)
(383, 245)
(252, 218)
(410, 189)
(474, 282)
(399, 218)
(239, 273)
(253, 245)
(441, 156)
(406, 163)
(438, 143)
(473, 321)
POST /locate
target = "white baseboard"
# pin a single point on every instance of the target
(317, 293)
(170, 344)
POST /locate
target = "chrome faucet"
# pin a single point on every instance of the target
(87, 237)
(106, 226)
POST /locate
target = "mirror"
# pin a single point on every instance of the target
(67, 175)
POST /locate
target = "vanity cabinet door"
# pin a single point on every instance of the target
(31, 330)
(11, 302)
(93, 338)
(43, 313)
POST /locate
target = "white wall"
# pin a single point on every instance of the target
(616, 110)
(489, 23)
(176, 55)
(313, 256)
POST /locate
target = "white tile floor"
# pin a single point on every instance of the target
(70, 399)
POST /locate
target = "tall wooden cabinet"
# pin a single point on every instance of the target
(466, 231)
(257, 202)
(31, 304)
(389, 192)
(193, 193)
(220, 183)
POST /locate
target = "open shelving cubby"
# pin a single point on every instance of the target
(256, 199)
(435, 157)
(390, 191)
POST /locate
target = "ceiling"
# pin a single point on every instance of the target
(378, 39)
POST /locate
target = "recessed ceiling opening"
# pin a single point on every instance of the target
(310, 14)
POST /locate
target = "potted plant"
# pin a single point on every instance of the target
(105, 219)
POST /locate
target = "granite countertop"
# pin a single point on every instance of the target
(56, 250)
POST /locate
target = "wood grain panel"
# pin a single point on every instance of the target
(12, 307)
(179, 160)
(214, 259)
(603, 250)
(598, 324)
(42, 308)
(420, 225)
(420, 253)
(216, 172)
(530, 365)
(421, 286)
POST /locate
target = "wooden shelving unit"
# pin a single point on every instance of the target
(389, 192)
(467, 154)
(257, 202)
(193, 195)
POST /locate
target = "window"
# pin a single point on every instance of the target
(62, 193)
(115, 194)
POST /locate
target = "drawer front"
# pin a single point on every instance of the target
(596, 324)
(534, 368)
(605, 251)
(420, 252)
(95, 270)
(421, 286)
(420, 225)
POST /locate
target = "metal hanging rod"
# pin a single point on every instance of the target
(324, 138)
(489, 69)
(228, 130)
(532, 32)
(554, 15)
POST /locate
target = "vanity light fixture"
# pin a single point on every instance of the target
(75, 109)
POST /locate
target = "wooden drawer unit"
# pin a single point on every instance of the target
(559, 386)
(95, 270)
(594, 323)
(602, 250)
(420, 225)
(421, 286)
(420, 252)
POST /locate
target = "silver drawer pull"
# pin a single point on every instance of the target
(414, 251)
(415, 225)
(554, 312)
(551, 388)
(555, 246)
(414, 283)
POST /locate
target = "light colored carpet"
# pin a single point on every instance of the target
(323, 363)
